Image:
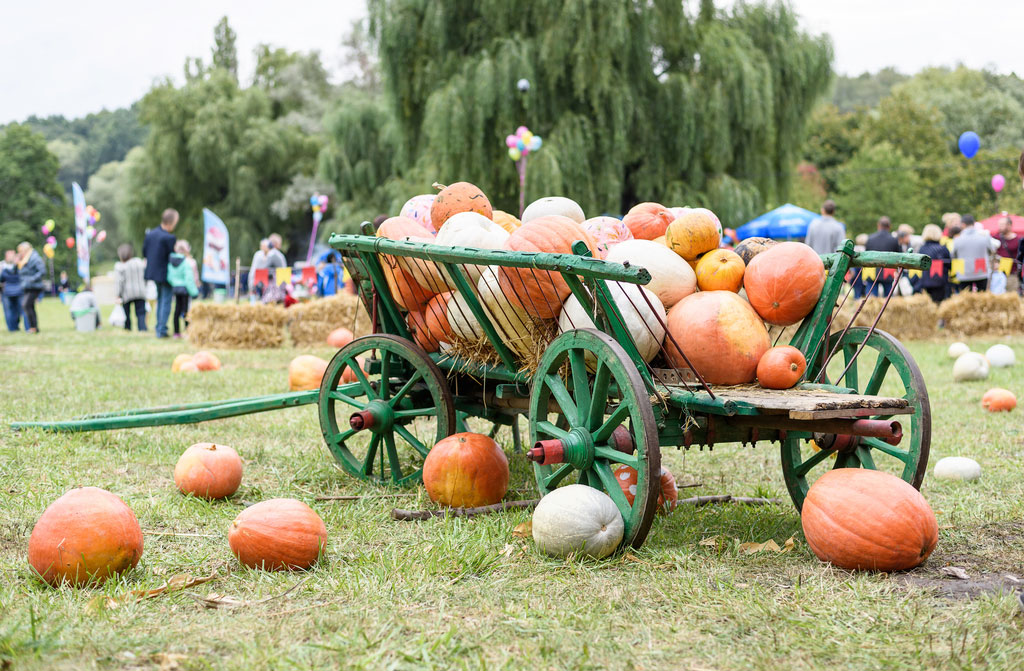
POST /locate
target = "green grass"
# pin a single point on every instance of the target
(468, 593)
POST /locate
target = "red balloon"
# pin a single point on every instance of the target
(70, 242)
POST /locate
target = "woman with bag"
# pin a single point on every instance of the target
(131, 286)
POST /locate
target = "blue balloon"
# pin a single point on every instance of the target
(969, 143)
(535, 143)
(520, 145)
(313, 200)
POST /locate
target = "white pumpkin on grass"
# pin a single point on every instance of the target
(957, 468)
(469, 229)
(1000, 356)
(554, 205)
(970, 366)
(512, 323)
(957, 349)
(577, 518)
(462, 320)
(672, 278)
(641, 310)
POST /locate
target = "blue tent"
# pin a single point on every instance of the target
(788, 221)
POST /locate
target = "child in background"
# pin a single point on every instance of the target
(182, 279)
(131, 286)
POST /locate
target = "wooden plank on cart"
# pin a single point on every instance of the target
(809, 404)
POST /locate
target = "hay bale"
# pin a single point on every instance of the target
(907, 318)
(310, 322)
(982, 313)
(236, 326)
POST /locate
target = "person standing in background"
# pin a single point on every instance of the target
(131, 286)
(183, 283)
(882, 240)
(973, 246)
(935, 283)
(825, 235)
(12, 291)
(275, 257)
(259, 262)
(31, 270)
(157, 248)
(1009, 248)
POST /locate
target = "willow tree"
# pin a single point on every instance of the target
(635, 99)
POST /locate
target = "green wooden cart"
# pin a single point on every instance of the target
(591, 402)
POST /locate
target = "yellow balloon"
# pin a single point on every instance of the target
(527, 136)
(48, 250)
(96, 215)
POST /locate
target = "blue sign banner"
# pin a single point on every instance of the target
(216, 257)
(81, 236)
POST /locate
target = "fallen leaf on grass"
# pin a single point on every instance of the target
(523, 530)
(711, 541)
(954, 572)
(168, 661)
(215, 600)
(174, 584)
(754, 548)
(789, 544)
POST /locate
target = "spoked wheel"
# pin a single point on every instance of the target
(582, 424)
(381, 427)
(883, 368)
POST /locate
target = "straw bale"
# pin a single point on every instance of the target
(236, 326)
(982, 313)
(310, 322)
(907, 318)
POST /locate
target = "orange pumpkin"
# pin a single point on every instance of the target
(278, 534)
(783, 283)
(179, 360)
(188, 367)
(781, 367)
(458, 197)
(305, 372)
(407, 292)
(999, 400)
(858, 518)
(506, 221)
(417, 322)
(627, 478)
(85, 537)
(540, 293)
(466, 470)
(206, 361)
(751, 247)
(720, 334)
(720, 270)
(348, 375)
(340, 337)
(208, 471)
(697, 231)
(647, 221)
(436, 317)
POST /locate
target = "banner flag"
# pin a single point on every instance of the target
(216, 257)
(981, 265)
(868, 274)
(957, 267)
(284, 276)
(936, 269)
(1005, 265)
(81, 236)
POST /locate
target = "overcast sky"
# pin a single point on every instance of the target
(72, 57)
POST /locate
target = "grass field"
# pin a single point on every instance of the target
(468, 594)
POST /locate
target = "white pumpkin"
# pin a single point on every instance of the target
(1000, 356)
(672, 278)
(469, 229)
(678, 211)
(462, 320)
(957, 349)
(643, 318)
(970, 366)
(957, 468)
(554, 205)
(511, 321)
(577, 518)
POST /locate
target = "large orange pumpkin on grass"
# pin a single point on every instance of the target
(466, 470)
(407, 292)
(85, 536)
(697, 231)
(277, 535)
(179, 361)
(208, 471)
(783, 283)
(857, 518)
(720, 334)
(455, 198)
(647, 221)
(305, 372)
(999, 400)
(340, 337)
(538, 292)
(206, 360)
(720, 270)
(781, 367)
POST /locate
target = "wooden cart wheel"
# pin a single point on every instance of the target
(579, 415)
(884, 368)
(378, 431)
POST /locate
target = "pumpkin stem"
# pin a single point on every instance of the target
(439, 186)
(793, 367)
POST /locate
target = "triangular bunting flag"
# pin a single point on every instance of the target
(868, 274)
(260, 275)
(957, 267)
(1005, 265)
(284, 275)
(980, 265)
(936, 269)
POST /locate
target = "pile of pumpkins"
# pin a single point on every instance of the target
(971, 366)
(703, 304)
(199, 362)
(89, 534)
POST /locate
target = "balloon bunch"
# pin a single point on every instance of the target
(48, 227)
(92, 214)
(522, 143)
(319, 205)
